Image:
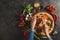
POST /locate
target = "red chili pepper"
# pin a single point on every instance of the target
(25, 33)
(55, 18)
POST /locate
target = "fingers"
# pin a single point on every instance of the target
(33, 18)
(33, 21)
(46, 29)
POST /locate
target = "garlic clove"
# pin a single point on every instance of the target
(55, 33)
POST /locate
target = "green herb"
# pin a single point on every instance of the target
(49, 24)
(24, 11)
(27, 9)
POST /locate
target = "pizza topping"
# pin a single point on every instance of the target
(48, 23)
(42, 20)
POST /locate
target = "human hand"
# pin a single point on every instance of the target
(33, 22)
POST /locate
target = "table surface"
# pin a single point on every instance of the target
(9, 20)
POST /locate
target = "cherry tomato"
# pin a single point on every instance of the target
(47, 8)
(51, 12)
(50, 8)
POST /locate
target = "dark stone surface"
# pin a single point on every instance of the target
(8, 19)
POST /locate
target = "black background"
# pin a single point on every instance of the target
(9, 20)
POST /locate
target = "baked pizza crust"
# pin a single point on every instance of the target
(49, 16)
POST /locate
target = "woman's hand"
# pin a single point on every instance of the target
(33, 21)
(31, 32)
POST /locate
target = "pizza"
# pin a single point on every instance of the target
(49, 21)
